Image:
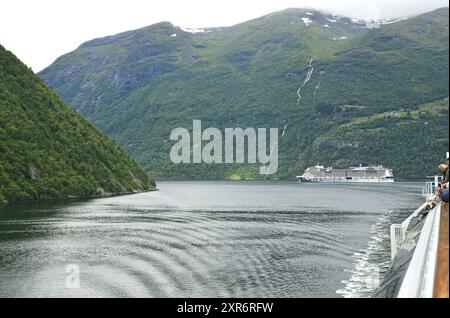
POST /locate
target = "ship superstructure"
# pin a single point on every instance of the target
(356, 174)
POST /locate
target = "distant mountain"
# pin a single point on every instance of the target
(47, 151)
(376, 93)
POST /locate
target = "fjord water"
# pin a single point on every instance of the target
(206, 239)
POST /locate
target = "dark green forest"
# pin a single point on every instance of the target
(47, 151)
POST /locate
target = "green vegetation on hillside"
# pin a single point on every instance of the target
(47, 151)
(139, 85)
(387, 138)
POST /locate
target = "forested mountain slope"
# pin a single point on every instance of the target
(47, 151)
(340, 92)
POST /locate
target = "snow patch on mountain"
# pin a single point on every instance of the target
(393, 21)
(307, 21)
(195, 30)
(340, 38)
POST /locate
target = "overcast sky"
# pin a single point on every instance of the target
(38, 31)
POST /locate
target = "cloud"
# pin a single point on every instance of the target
(389, 9)
(40, 31)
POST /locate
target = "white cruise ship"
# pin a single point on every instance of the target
(356, 174)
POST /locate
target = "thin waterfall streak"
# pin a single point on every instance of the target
(315, 92)
(285, 127)
(306, 80)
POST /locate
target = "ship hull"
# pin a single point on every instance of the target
(355, 174)
(339, 180)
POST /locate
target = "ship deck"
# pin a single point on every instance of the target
(442, 269)
(420, 266)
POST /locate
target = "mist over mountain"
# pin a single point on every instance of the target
(341, 91)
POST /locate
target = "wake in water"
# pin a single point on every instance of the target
(371, 263)
(204, 239)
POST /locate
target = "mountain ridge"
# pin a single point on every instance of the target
(138, 85)
(48, 152)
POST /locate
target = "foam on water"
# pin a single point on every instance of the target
(372, 262)
(243, 240)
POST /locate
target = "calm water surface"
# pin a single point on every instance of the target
(206, 239)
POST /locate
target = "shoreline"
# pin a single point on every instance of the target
(76, 198)
(155, 189)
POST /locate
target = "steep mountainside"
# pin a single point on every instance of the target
(47, 151)
(340, 92)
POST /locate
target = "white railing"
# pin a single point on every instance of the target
(430, 188)
(398, 231)
(420, 276)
